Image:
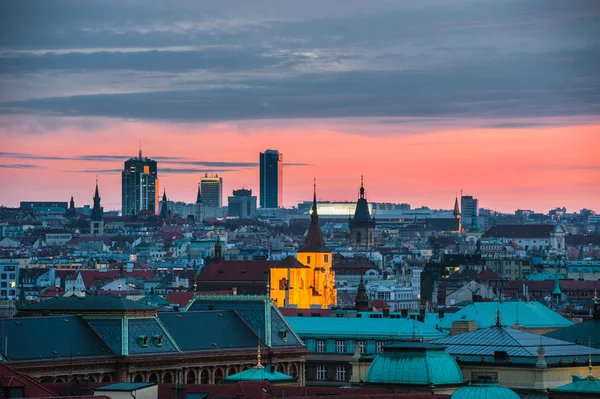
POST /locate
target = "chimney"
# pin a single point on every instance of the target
(404, 313)
(441, 314)
(386, 312)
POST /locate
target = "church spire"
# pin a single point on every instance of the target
(97, 211)
(199, 196)
(164, 211)
(362, 187)
(456, 212)
(314, 239)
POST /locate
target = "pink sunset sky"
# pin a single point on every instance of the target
(508, 168)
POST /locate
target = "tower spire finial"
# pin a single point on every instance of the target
(258, 364)
(140, 150)
(498, 319)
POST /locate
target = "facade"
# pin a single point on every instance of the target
(139, 186)
(469, 209)
(97, 216)
(271, 179)
(242, 204)
(112, 339)
(362, 225)
(211, 188)
(9, 279)
(335, 343)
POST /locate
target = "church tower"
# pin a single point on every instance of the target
(456, 213)
(318, 282)
(361, 303)
(71, 213)
(164, 211)
(97, 217)
(362, 225)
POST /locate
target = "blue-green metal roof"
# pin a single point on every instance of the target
(31, 338)
(154, 300)
(589, 385)
(414, 364)
(543, 277)
(585, 333)
(208, 330)
(484, 391)
(125, 386)
(342, 327)
(527, 314)
(260, 374)
(88, 303)
(520, 346)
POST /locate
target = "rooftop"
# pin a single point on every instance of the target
(125, 386)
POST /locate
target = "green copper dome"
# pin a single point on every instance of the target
(487, 390)
(260, 374)
(414, 363)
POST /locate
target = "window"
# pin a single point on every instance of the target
(308, 260)
(321, 373)
(362, 346)
(326, 258)
(340, 346)
(320, 345)
(340, 373)
(380, 347)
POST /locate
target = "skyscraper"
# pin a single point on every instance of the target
(211, 188)
(242, 204)
(271, 179)
(139, 185)
(469, 209)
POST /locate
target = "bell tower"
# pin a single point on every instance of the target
(362, 225)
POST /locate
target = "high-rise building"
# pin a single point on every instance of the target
(139, 185)
(242, 204)
(271, 179)
(211, 188)
(469, 209)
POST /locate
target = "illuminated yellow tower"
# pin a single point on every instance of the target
(320, 286)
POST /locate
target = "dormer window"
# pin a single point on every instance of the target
(158, 339)
(284, 334)
(143, 340)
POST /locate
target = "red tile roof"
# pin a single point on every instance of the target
(245, 270)
(32, 388)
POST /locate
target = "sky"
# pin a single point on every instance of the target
(497, 98)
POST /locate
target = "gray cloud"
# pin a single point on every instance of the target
(20, 166)
(207, 61)
(167, 171)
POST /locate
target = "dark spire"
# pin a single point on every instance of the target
(456, 213)
(218, 252)
(199, 196)
(362, 299)
(164, 211)
(71, 213)
(97, 211)
(314, 239)
(361, 213)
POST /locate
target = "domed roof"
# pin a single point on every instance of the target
(414, 363)
(484, 390)
(260, 374)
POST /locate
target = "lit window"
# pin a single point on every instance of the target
(320, 345)
(321, 373)
(326, 258)
(340, 373)
(340, 346)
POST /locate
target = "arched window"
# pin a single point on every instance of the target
(91, 378)
(107, 378)
(218, 376)
(46, 380)
(293, 371)
(231, 371)
(138, 378)
(190, 377)
(168, 378)
(205, 377)
(153, 378)
(358, 237)
(59, 380)
(280, 368)
(245, 368)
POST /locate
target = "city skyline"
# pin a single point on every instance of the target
(497, 98)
